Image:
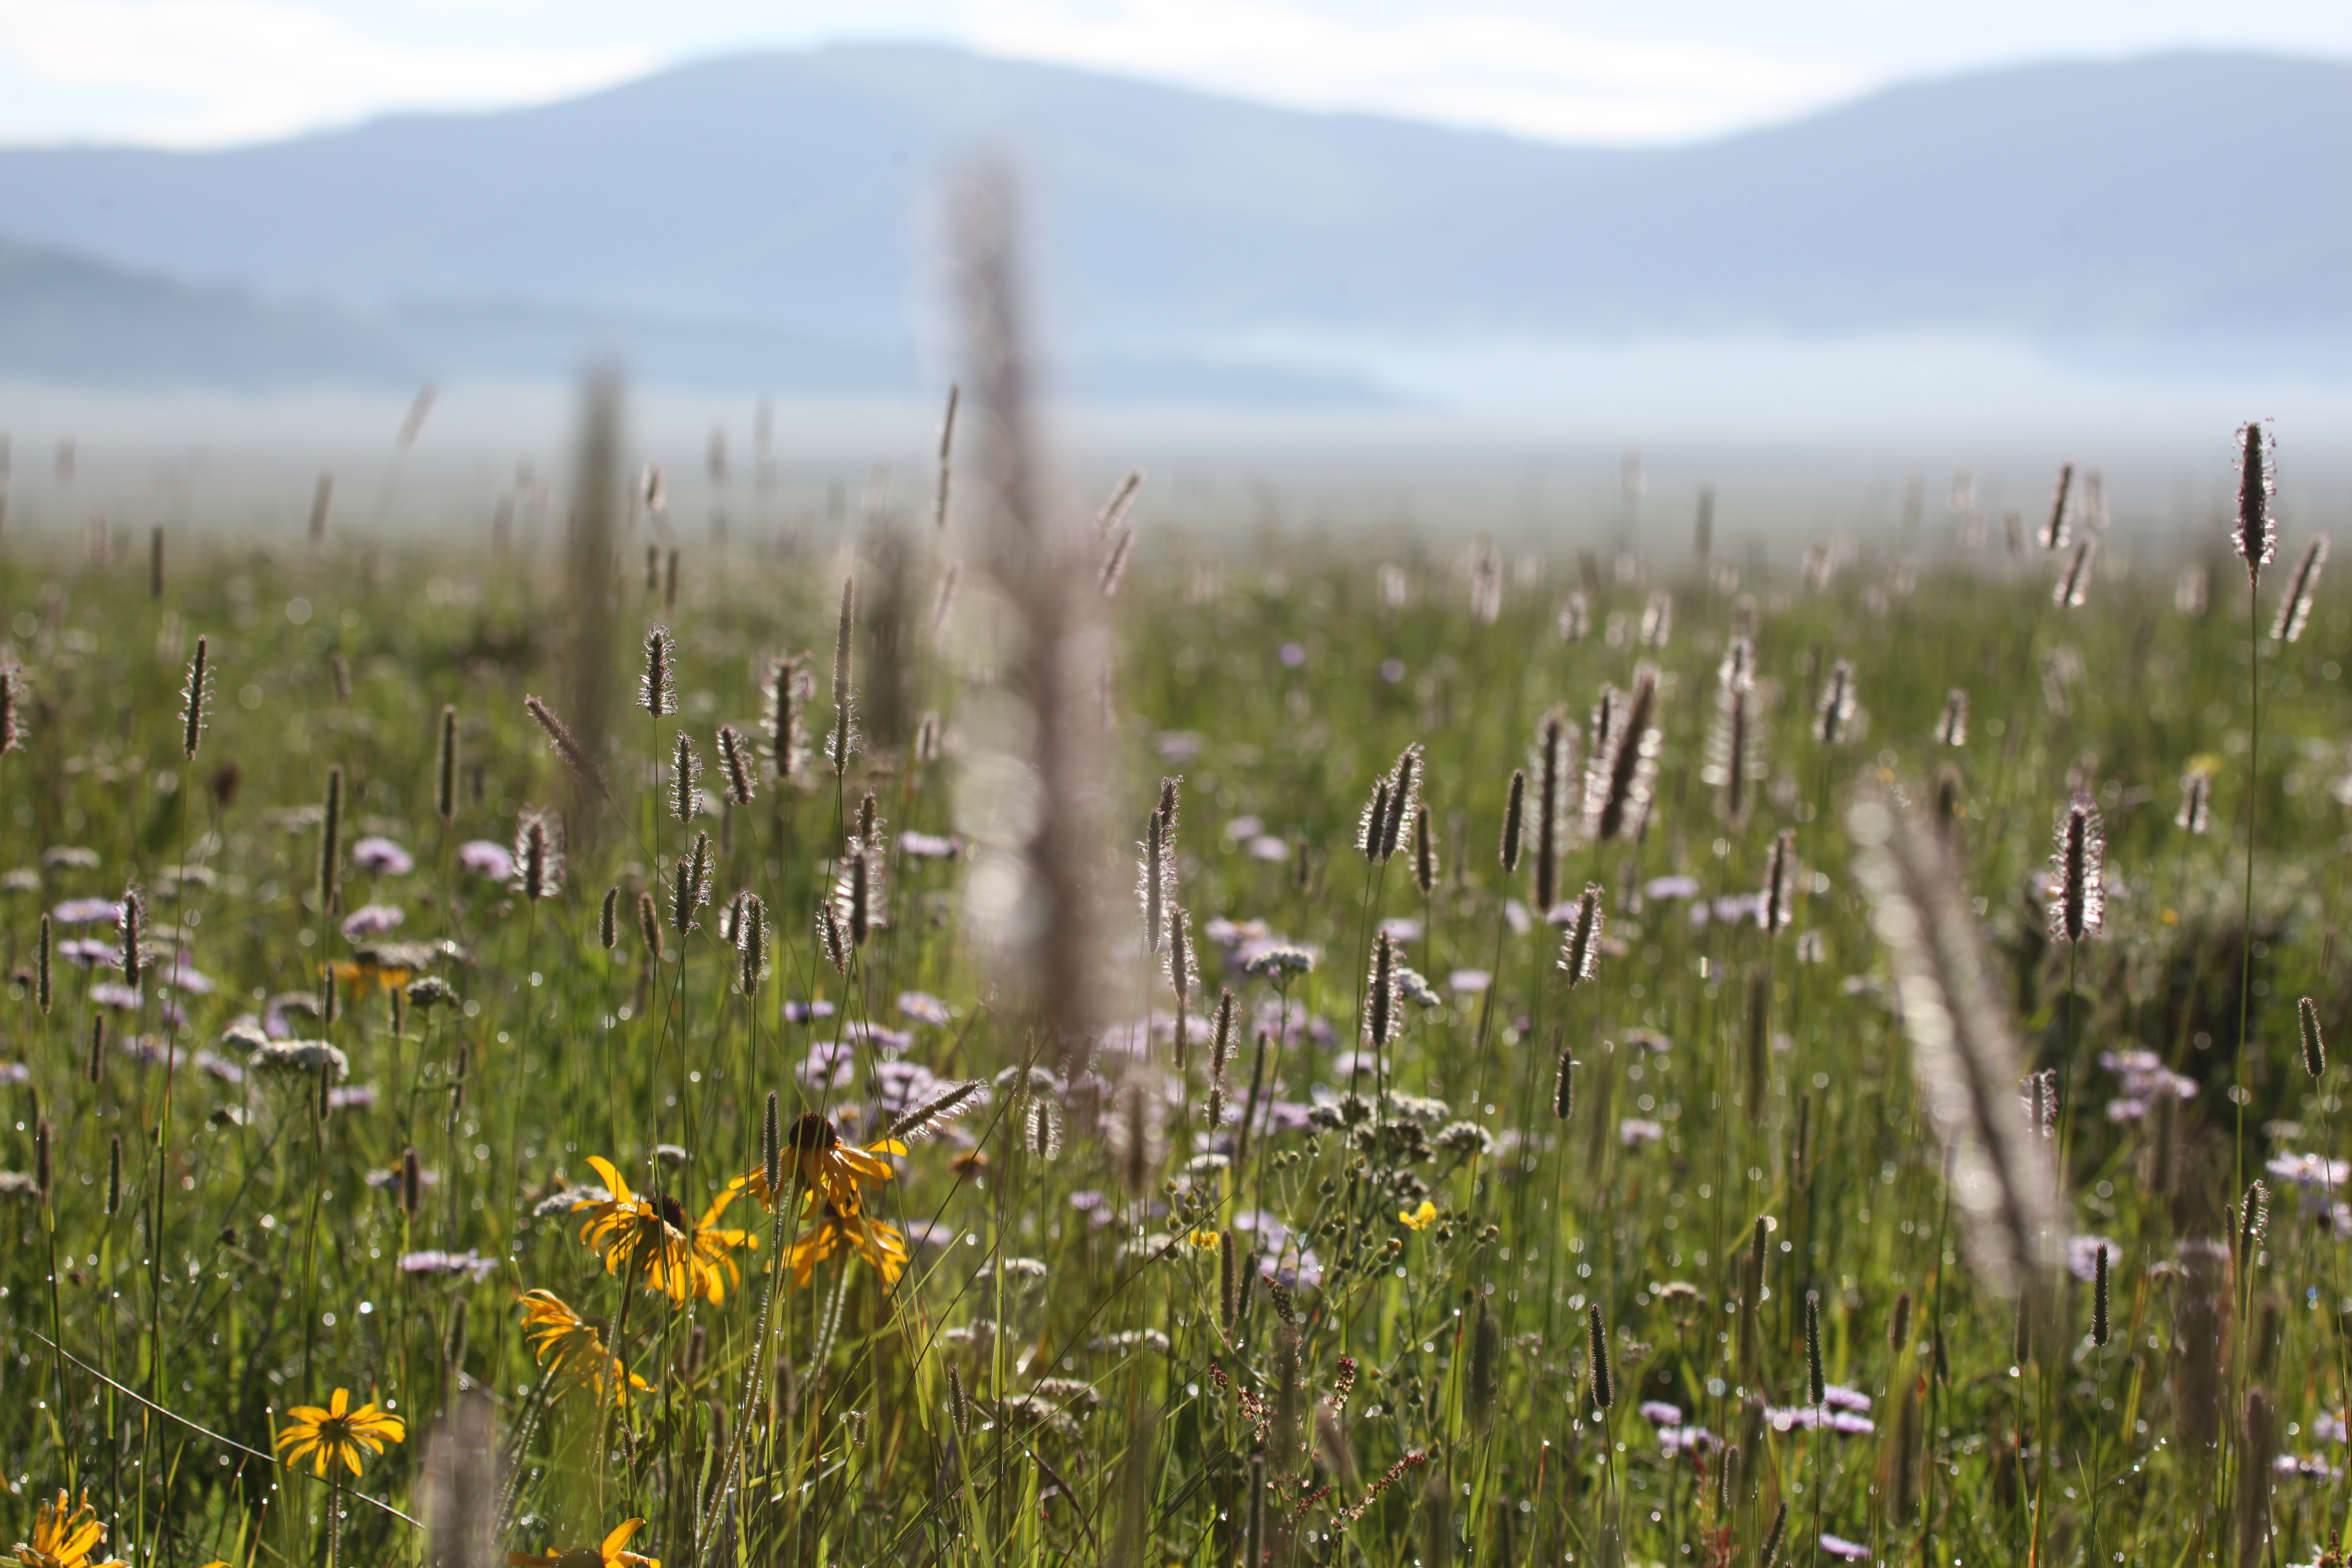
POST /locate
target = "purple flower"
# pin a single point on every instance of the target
(86, 911)
(924, 1009)
(371, 919)
(806, 1012)
(485, 859)
(929, 846)
(214, 1065)
(111, 994)
(1685, 1439)
(1838, 1397)
(1468, 981)
(352, 1096)
(2306, 1469)
(1850, 1551)
(1671, 888)
(14, 1072)
(383, 857)
(830, 1064)
(1657, 1412)
(88, 952)
(180, 974)
(1634, 1131)
(448, 1263)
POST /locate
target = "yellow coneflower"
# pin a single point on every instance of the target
(836, 1227)
(570, 1346)
(679, 1257)
(707, 1247)
(634, 1235)
(607, 1555)
(827, 1164)
(65, 1537)
(337, 1432)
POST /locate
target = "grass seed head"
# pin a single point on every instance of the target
(445, 767)
(2078, 861)
(330, 841)
(1580, 953)
(1515, 806)
(1604, 1392)
(2294, 605)
(608, 919)
(658, 686)
(737, 766)
(193, 695)
(2255, 538)
(2314, 1049)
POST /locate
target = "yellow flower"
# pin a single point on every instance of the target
(609, 1555)
(65, 1536)
(338, 1432)
(882, 1248)
(1420, 1218)
(678, 1256)
(826, 1164)
(1207, 1240)
(708, 1245)
(569, 1346)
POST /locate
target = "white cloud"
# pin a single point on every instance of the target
(1491, 68)
(205, 72)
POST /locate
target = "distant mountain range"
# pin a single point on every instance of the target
(772, 220)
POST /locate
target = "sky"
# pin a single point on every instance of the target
(214, 72)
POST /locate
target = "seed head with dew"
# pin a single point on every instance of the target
(2058, 527)
(1514, 809)
(2078, 862)
(1776, 904)
(1579, 948)
(1383, 1004)
(784, 689)
(2075, 581)
(15, 694)
(658, 682)
(689, 884)
(194, 695)
(1833, 708)
(1552, 769)
(1623, 775)
(539, 855)
(841, 741)
(737, 766)
(2302, 589)
(2196, 813)
(2255, 534)
(1952, 726)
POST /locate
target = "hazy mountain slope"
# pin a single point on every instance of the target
(791, 199)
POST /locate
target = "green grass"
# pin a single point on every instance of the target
(260, 1244)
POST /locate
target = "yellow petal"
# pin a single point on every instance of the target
(620, 1537)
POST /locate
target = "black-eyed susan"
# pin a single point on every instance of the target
(828, 1164)
(707, 1245)
(635, 1235)
(681, 1258)
(337, 1432)
(65, 1536)
(836, 1227)
(612, 1553)
(570, 1347)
